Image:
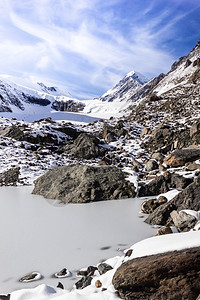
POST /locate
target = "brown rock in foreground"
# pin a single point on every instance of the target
(173, 275)
(179, 158)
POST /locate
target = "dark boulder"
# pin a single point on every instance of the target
(179, 182)
(60, 285)
(173, 275)
(89, 272)
(87, 146)
(83, 282)
(10, 177)
(13, 132)
(5, 297)
(103, 268)
(154, 187)
(186, 199)
(82, 184)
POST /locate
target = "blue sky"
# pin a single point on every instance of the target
(87, 46)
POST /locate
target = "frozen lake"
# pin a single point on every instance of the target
(57, 116)
(38, 236)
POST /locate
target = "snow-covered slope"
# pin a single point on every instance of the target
(125, 87)
(22, 95)
(184, 73)
(114, 102)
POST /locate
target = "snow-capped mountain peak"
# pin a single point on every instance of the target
(125, 87)
(137, 76)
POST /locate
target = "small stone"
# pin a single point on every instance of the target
(129, 252)
(91, 270)
(83, 282)
(164, 230)
(162, 200)
(98, 284)
(31, 277)
(103, 268)
(60, 285)
(63, 273)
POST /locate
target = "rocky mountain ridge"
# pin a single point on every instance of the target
(127, 86)
(16, 96)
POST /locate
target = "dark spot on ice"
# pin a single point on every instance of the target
(105, 248)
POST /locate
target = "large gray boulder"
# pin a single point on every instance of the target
(82, 183)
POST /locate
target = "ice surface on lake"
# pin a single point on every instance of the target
(36, 115)
(37, 236)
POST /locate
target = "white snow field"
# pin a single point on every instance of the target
(154, 245)
(39, 237)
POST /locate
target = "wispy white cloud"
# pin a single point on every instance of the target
(81, 42)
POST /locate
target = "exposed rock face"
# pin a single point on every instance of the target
(182, 220)
(181, 157)
(172, 275)
(69, 105)
(186, 199)
(81, 184)
(87, 146)
(10, 177)
(166, 138)
(13, 132)
(154, 187)
(162, 184)
(23, 133)
(126, 87)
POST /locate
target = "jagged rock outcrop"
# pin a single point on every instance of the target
(87, 146)
(173, 275)
(162, 184)
(68, 105)
(82, 184)
(125, 88)
(186, 199)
